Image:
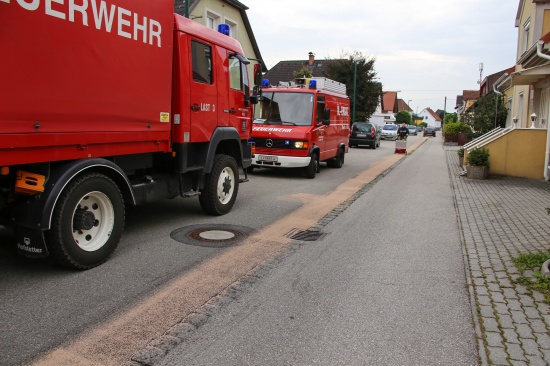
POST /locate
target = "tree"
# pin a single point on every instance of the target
(303, 73)
(487, 113)
(403, 117)
(369, 91)
(451, 118)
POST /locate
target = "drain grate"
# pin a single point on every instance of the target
(306, 235)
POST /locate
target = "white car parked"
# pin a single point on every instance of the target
(389, 132)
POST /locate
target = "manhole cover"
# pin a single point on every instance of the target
(217, 235)
(213, 236)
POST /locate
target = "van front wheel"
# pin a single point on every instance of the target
(313, 166)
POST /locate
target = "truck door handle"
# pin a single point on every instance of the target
(195, 108)
(232, 111)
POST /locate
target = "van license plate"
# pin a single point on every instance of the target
(267, 158)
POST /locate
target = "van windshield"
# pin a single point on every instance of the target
(281, 108)
(390, 127)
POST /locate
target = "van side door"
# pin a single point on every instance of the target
(319, 134)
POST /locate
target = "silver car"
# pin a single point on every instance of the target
(412, 130)
(389, 132)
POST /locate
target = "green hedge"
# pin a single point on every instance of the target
(456, 127)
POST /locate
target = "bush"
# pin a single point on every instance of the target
(474, 135)
(479, 157)
(456, 127)
(461, 153)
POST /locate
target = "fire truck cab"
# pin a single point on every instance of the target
(301, 124)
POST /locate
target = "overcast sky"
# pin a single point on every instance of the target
(426, 49)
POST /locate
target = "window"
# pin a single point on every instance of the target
(525, 37)
(520, 109)
(212, 20)
(202, 62)
(543, 108)
(235, 74)
(320, 108)
(509, 109)
(232, 28)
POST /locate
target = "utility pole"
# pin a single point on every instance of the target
(186, 8)
(444, 112)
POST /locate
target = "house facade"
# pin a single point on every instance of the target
(465, 101)
(527, 86)
(212, 13)
(431, 118)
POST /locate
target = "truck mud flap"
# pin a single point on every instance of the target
(30, 242)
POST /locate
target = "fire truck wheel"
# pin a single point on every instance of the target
(313, 166)
(338, 161)
(221, 186)
(87, 222)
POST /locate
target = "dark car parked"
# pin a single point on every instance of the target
(364, 133)
(429, 131)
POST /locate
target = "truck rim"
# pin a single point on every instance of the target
(226, 185)
(93, 221)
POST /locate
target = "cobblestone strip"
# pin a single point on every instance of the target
(499, 219)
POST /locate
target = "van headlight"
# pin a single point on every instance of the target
(301, 144)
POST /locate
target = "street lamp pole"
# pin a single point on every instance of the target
(408, 105)
(355, 86)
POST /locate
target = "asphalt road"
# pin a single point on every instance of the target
(47, 312)
(386, 286)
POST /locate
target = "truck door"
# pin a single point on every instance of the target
(203, 92)
(239, 91)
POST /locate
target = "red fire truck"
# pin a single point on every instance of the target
(113, 103)
(301, 125)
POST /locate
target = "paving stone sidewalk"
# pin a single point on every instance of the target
(501, 218)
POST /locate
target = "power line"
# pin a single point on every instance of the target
(430, 90)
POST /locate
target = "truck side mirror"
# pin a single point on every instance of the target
(257, 79)
(258, 74)
(326, 116)
(253, 99)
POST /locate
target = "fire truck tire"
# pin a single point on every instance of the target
(87, 222)
(338, 161)
(221, 186)
(313, 166)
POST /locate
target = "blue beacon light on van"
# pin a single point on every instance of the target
(224, 29)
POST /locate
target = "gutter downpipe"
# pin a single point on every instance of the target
(547, 157)
(496, 108)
